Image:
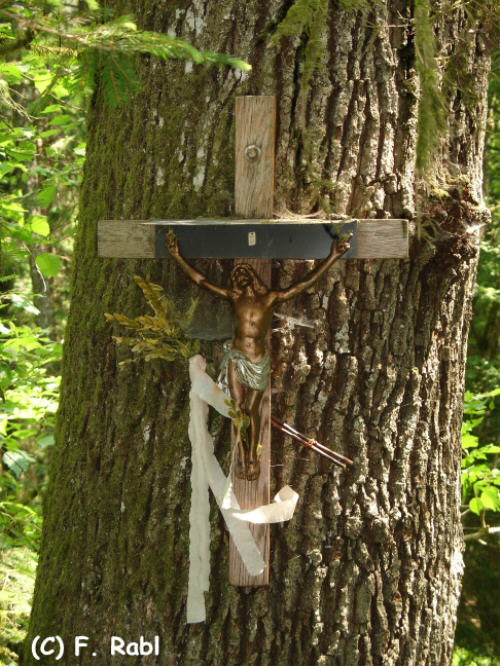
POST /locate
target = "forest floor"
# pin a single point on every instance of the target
(17, 579)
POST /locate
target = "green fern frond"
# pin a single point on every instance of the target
(117, 76)
(106, 48)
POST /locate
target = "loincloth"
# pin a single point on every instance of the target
(255, 375)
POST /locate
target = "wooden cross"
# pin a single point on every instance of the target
(256, 237)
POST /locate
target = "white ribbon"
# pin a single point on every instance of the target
(206, 472)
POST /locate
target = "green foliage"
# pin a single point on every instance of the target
(48, 264)
(483, 371)
(464, 657)
(477, 630)
(160, 336)
(17, 578)
(54, 55)
(480, 473)
(101, 46)
(477, 637)
(41, 159)
(29, 394)
(480, 477)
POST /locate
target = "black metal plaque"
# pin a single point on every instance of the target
(238, 240)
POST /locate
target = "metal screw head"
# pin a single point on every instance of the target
(252, 153)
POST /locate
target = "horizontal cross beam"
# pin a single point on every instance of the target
(243, 238)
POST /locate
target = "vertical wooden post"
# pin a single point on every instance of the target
(255, 120)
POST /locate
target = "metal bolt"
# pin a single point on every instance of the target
(252, 153)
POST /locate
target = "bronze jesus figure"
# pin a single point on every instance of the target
(246, 359)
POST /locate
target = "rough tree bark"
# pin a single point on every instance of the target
(369, 569)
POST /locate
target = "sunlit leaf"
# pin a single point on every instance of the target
(46, 195)
(475, 505)
(45, 441)
(62, 119)
(40, 225)
(469, 441)
(21, 302)
(42, 81)
(13, 72)
(490, 497)
(49, 264)
(51, 108)
(17, 461)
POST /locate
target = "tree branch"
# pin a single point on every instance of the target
(480, 534)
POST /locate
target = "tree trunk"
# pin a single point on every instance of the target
(369, 569)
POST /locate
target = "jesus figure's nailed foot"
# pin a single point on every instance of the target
(253, 470)
(241, 468)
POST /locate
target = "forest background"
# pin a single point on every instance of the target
(49, 56)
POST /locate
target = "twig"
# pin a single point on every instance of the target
(287, 429)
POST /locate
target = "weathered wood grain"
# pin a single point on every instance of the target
(255, 124)
(373, 239)
(128, 239)
(382, 239)
(255, 118)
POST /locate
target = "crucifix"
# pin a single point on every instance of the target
(246, 362)
(257, 238)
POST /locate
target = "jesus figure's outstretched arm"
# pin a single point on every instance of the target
(338, 249)
(197, 277)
